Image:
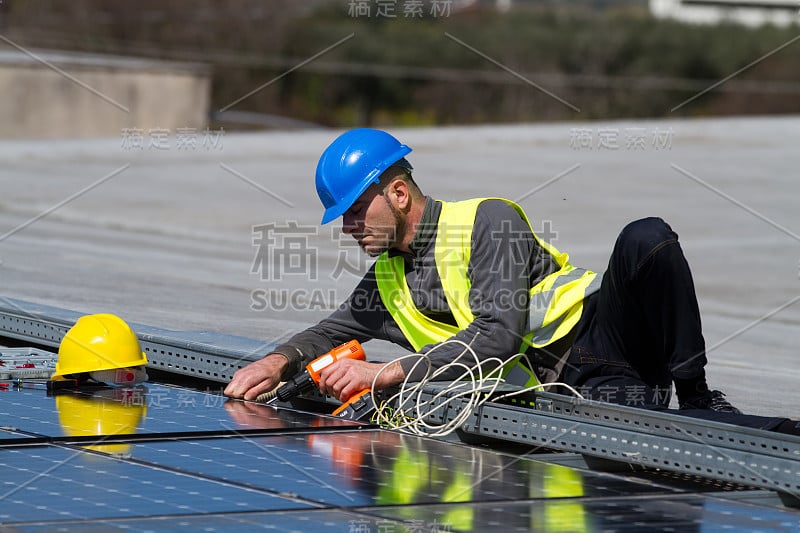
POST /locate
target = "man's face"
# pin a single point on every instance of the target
(373, 221)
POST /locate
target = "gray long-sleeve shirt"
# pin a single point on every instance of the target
(505, 261)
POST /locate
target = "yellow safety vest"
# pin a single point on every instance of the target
(555, 304)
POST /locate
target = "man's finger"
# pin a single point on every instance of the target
(254, 392)
(323, 382)
(330, 377)
(239, 386)
(231, 390)
(347, 391)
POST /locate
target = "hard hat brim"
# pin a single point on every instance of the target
(61, 372)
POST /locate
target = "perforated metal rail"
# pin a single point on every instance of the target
(634, 436)
(202, 354)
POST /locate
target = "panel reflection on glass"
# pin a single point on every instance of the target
(685, 513)
(50, 483)
(149, 408)
(378, 467)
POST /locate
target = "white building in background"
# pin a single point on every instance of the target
(57, 94)
(748, 12)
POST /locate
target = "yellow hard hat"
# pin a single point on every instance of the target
(98, 342)
(88, 416)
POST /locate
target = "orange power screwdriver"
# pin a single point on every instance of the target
(354, 407)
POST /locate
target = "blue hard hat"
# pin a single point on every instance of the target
(353, 162)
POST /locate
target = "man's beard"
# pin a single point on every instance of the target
(393, 234)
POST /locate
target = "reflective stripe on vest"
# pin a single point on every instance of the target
(556, 302)
(569, 284)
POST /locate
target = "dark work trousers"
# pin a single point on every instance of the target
(642, 328)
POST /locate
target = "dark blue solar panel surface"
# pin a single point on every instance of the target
(678, 513)
(303, 473)
(377, 468)
(317, 520)
(152, 408)
(50, 483)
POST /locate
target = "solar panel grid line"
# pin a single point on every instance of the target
(85, 484)
(334, 520)
(34, 439)
(199, 475)
(24, 439)
(251, 462)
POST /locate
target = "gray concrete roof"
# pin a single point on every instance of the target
(165, 236)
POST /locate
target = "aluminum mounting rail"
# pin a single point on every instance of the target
(201, 354)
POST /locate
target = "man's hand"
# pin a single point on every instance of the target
(348, 376)
(257, 377)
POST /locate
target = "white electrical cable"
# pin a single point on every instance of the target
(467, 382)
(536, 387)
(471, 385)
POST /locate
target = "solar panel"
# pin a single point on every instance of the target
(373, 468)
(302, 521)
(53, 483)
(162, 457)
(662, 513)
(151, 409)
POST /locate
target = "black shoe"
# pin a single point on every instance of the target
(713, 400)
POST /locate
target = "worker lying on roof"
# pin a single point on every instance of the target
(475, 271)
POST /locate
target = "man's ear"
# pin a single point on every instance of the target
(400, 193)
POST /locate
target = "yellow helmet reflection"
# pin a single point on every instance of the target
(100, 415)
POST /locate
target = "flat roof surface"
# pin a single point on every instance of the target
(188, 231)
